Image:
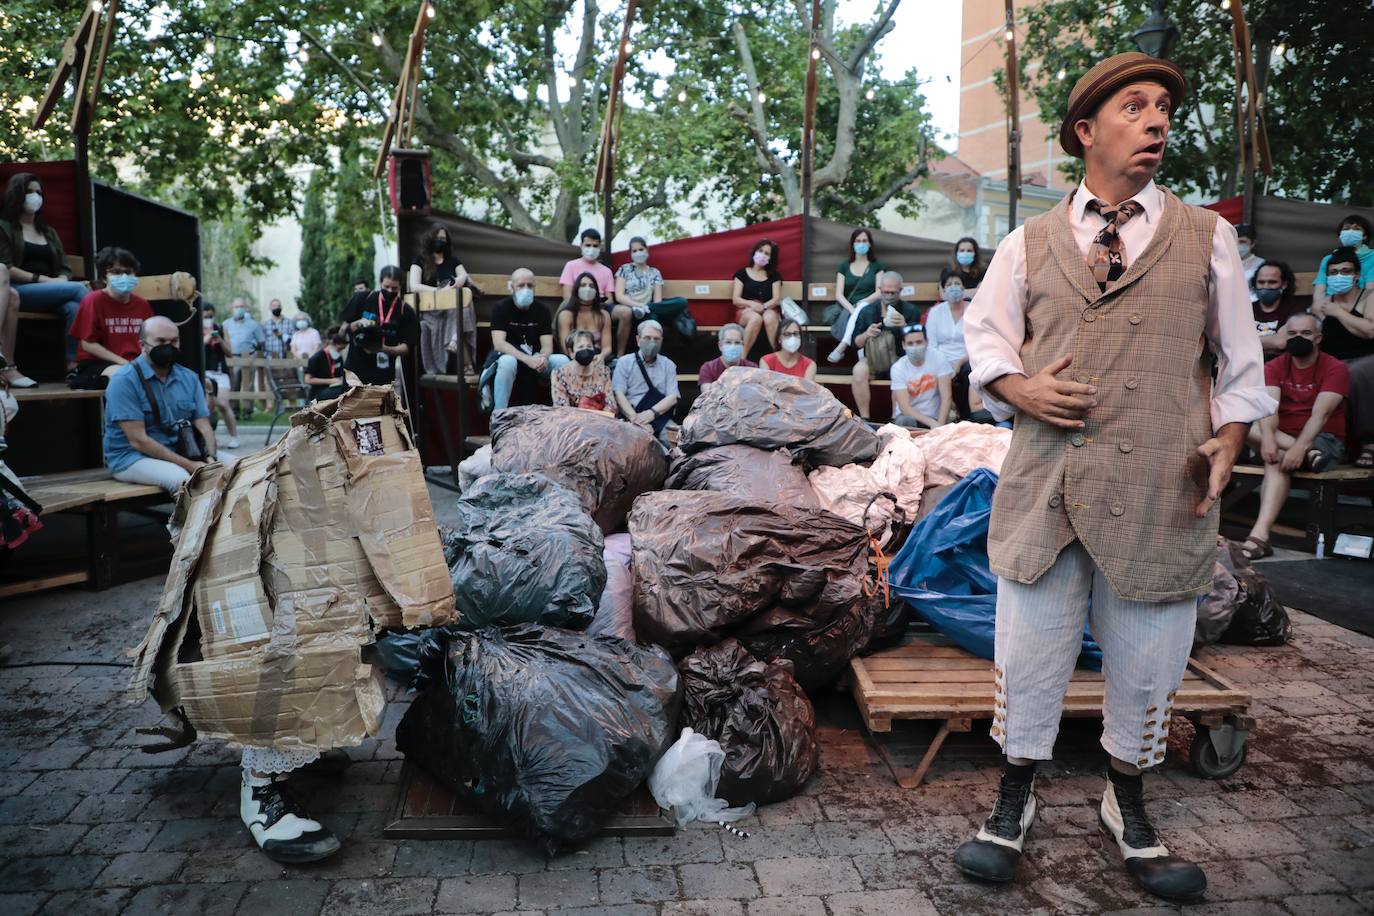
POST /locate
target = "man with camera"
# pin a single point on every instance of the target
(157, 426)
(380, 328)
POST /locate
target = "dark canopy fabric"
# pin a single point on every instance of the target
(484, 248)
(918, 260)
(1297, 231)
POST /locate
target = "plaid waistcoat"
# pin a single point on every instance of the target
(1122, 484)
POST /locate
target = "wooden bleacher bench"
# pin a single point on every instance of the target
(1324, 489)
(154, 288)
(99, 497)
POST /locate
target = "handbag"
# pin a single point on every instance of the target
(880, 352)
(791, 310)
(189, 443)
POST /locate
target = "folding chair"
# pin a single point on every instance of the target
(289, 392)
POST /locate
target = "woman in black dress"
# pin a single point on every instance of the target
(757, 295)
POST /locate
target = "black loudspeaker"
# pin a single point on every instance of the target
(409, 181)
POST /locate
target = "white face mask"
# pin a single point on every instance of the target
(33, 202)
(591, 252)
(640, 257)
(586, 293)
(791, 343)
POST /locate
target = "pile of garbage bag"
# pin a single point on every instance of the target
(523, 551)
(606, 462)
(546, 730)
(1240, 608)
(745, 471)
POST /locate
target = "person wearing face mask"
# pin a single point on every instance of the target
(245, 338)
(521, 344)
(645, 385)
(945, 330)
(622, 315)
(277, 331)
(1272, 305)
(218, 384)
(967, 261)
(141, 435)
(381, 329)
(856, 285)
(730, 340)
(435, 268)
(586, 381)
(1348, 334)
(1354, 232)
(1307, 433)
(37, 265)
(324, 373)
(585, 311)
(888, 315)
(757, 295)
(107, 325)
(789, 360)
(305, 340)
(921, 392)
(1245, 247)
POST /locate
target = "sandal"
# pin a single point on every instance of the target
(1366, 459)
(1260, 551)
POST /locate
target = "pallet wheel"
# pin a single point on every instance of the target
(1218, 751)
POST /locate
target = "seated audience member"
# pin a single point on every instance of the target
(521, 340)
(37, 265)
(730, 340)
(435, 268)
(1271, 300)
(109, 322)
(1307, 433)
(640, 286)
(921, 393)
(380, 328)
(324, 373)
(9, 328)
(585, 311)
(590, 262)
(1354, 232)
(1245, 245)
(141, 435)
(886, 316)
(789, 359)
(856, 285)
(757, 295)
(967, 261)
(305, 340)
(945, 331)
(645, 385)
(217, 373)
(1348, 334)
(586, 381)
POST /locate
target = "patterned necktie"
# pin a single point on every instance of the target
(1106, 259)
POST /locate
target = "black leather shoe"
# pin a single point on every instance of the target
(1124, 821)
(330, 763)
(280, 826)
(993, 854)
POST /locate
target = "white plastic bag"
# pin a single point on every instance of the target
(789, 308)
(685, 780)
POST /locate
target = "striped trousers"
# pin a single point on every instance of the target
(1145, 648)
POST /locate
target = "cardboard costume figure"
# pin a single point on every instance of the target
(1097, 326)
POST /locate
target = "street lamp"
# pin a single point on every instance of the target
(1157, 34)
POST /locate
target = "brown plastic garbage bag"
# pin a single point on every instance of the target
(819, 654)
(1217, 605)
(709, 565)
(770, 410)
(753, 473)
(759, 714)
(606, 462)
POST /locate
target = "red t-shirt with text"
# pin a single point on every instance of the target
(1299, 387)
(114, 325)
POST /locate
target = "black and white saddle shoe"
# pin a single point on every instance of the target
(1124, 821)
(280, 827)
(992, 855)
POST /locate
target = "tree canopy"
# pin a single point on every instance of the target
(1309, 58)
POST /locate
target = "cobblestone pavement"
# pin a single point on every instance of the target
(89, 824)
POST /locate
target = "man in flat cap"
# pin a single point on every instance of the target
(1097, 326)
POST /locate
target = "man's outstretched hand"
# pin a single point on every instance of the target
(1046, 397)
(1219, 453)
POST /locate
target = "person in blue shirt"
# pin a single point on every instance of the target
(138, 449)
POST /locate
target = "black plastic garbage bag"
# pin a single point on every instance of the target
(1217, 605)
(606, 462)
(819, 654)
(752, 473)
(545, 730)
(1259, 618)
(523, 551)
(709, 565)
(769, 410)
(761, 717)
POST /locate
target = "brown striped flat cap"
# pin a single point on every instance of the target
(1110, 75)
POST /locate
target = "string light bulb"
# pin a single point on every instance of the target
(1061, 74)
(815, 53)
(430, 11)
(97, 6)
(376, 40)
(209, 47)
(682, 96)
(762, 97)
(1226, 4)
(870, 95)
(1281, 50)
(1011, 36)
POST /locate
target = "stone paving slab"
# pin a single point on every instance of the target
(90, 824)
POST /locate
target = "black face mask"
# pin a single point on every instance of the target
(163, 355)
(439, 245)
(585, 356)
(1300, 346)
(276, 312)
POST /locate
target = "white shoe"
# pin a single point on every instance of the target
(279, 825)
(232, 443)
(836, 354)
(640, 312)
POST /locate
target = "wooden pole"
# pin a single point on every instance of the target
(403, 102)
(610, 133)
(1014, 123)
(1246, 100)
(808, 151)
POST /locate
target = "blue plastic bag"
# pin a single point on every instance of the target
(942, 570)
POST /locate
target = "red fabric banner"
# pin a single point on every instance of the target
(59, 197)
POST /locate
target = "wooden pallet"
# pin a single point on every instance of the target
(426, 809)
(928, 677)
